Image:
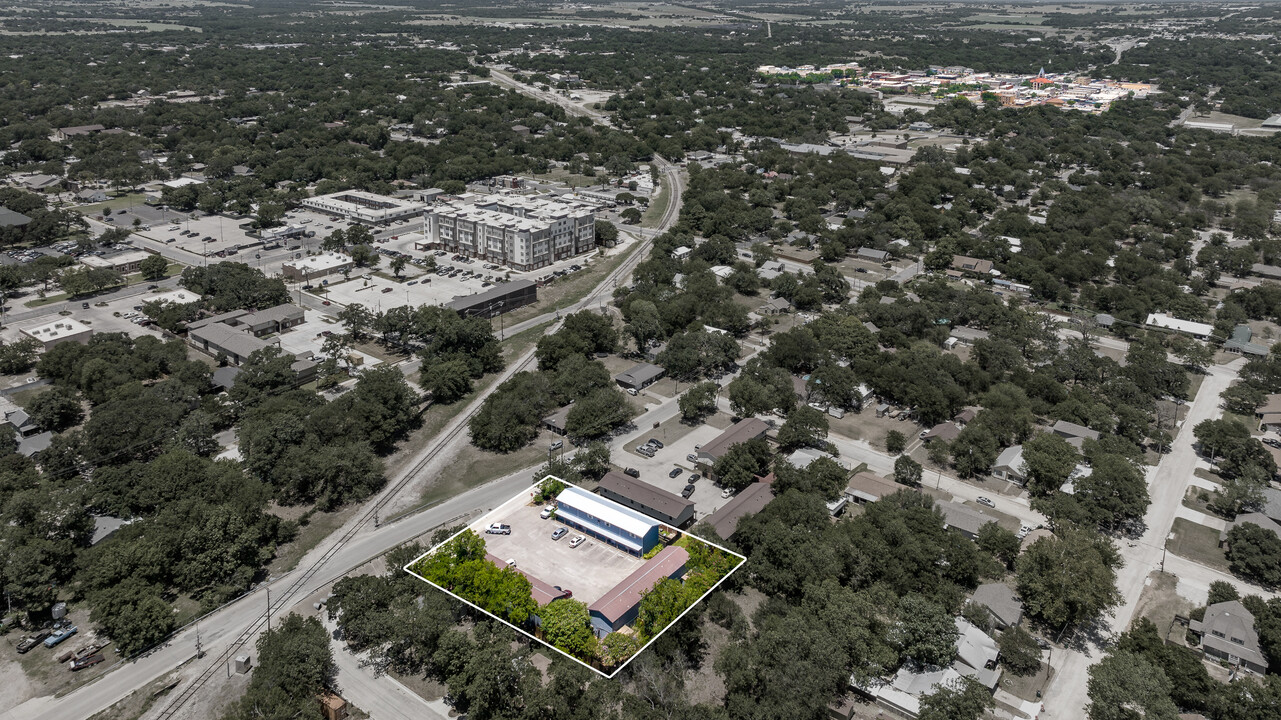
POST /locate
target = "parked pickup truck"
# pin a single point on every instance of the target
(31, 641)
(60, 635)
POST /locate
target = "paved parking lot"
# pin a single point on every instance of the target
(589, 570)
(706, 497)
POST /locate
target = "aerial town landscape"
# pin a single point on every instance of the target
(729, 360)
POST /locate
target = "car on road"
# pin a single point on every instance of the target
(727, 492)
(689, 490)
(559, 533)
(656, 443)
(498, 529)
(632, 391)
(632, 472)
(578, 540)
(557, 445)
(511, 563)
(547, 512)
(1273, 442)
(692, 457)
(646, 450)
(985, 501)
(674, 473)
(563, 592)
(693, 478)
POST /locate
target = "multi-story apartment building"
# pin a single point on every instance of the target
(520, 231)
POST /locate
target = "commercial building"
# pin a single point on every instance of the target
(237, 335)
(60, 331)
(640, 376)
(1195, 329)
(496, 300)
(520, 231)
(12, 218)
(620, 605)
(740, 432)
(638, 495)
(257, 322)
(1227, 633)
(607, 521)
(749, 501)
(365, 208)
(126, 262)
(316, 266)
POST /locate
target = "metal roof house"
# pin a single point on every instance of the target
(641, 376)
(654, 502)
(619, 606)
(607, 521)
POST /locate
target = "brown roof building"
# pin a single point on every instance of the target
(619, 606)
(740, 432)
(976, 266)
(749, 501)
(866, 487)
(654, 502)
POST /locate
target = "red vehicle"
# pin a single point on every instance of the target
(88, 662)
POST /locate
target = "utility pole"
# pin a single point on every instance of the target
(268, 608)
(199, 650)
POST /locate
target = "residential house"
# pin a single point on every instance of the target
(641, 376)
(557, 420)
(866, 487)
(776, 306)
(1073, 433)
(945, 431)
(968, 335)
(1259, 519)
(972, 266)
(1240, 342)
(1009, 465)
(876, 256)
(963, 518)
(1227, 633)
(1269, 413)
(1002, 604)
(91, 195)
(69, 132)
(749, 501)
(21, 422)
(740, 432)
(1187, 327)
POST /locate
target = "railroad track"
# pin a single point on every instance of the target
(300, 584)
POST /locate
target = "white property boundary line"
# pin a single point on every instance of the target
(742, 560)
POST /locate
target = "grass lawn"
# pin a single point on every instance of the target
(123, 201)
(320, 526)
(1207, 475)
(1249, 422)
(1198, 543)
(657, 207)
(39, 301)
(475, 467)
(23, 398)
(568, 290)
(1192, 500)
(1026, 687)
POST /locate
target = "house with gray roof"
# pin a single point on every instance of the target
(1240, 342)
(1227, 633)
(1002, 604)
(962, 518)
(1263, 521)
(641, 376)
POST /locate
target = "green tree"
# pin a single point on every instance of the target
(567, 625)
(644, 324)
(598, 414)
(998, 542)
(965, 699)
(659, 606)
(154, 267)
(805, 427)
(57, 409)
(1019, 652)
(823, 476)
(907, 471)
(398, 264)
(1124, 686)
(448, 381)
(1254, 553)
(742, 463)
(1115, 491)
(365, 256)
(1068, 579)
(132, 614)
(698, 401)
(295, 665)
(895, 442)
(925, 633)
(1050, 460)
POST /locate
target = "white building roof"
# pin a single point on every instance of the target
(1184, 326)
(607, 510)
(182, 182)
(60, 328)
(313, 263)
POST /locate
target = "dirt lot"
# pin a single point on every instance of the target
(38, 671)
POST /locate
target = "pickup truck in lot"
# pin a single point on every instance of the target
(31, 641)
(60, 635)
